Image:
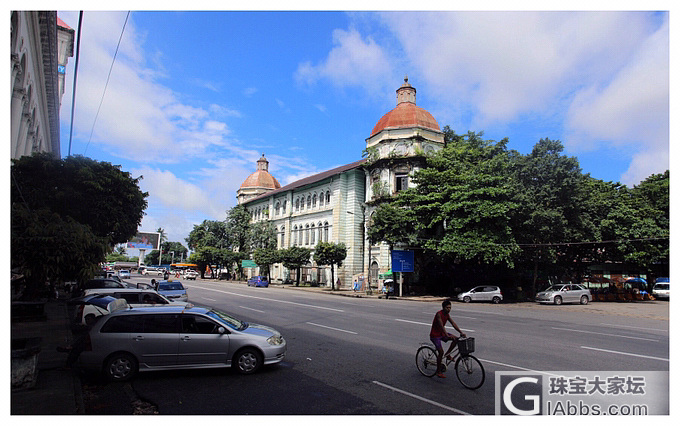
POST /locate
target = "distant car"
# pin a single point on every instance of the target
(258, 281)
(173, 337)
(102, 283)
(565, 293)
(173, 290)
(191, 274)
(124, 274)
(150, 270)
(662, 290)
(483, 293)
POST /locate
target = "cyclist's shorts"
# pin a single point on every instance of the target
(438, 341)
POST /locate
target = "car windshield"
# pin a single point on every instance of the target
(170, 286)
(227, 320)
(662, 287)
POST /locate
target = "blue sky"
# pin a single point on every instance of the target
(196, 97)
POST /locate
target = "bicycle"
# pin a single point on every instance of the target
(469, 370)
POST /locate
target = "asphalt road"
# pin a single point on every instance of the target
(356, 355)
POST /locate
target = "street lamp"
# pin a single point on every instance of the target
(363, 248)
(173, 257)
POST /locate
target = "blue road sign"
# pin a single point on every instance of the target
(402, 260)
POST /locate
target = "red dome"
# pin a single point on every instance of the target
(261, 179)
(406, 115)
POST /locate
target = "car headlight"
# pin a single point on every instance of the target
(275, 340)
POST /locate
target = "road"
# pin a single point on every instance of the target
(356, 355)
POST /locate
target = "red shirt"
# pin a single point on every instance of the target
(439, 330)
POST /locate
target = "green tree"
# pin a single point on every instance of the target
(212, 233)
(326, 253)
(166, 248)
(102, 206)
(265, 258)
(238, 228)
(294, 258)
(262, 235)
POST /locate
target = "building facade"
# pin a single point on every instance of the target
(40, 46)
(336, 205)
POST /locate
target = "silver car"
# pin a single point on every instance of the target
(174, 337)
(483, 293)
(565, 293)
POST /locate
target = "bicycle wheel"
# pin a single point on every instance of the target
(470, 372)
(426, 361)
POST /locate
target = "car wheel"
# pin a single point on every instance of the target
(120, 367)
(496, 300)
(467, 299)
(558, 300)
(247, 361)
(584, 300)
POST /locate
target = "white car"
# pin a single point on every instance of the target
(124, 274)
(662, 290)
(191, 274)
(153, 271)
(87, 309)
(482, 293)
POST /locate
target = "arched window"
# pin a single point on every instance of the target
(294, 235)
(283, 236)
(302, 202)
(309, 201)
(284, 206)
(328, 197)
(319, 226)
(325, 231)
(321, 199)
(312, 234)
(277, 208)
(307, 235)
(297, 204)
(314, 201)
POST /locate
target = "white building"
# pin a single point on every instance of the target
(335, 205)
(40, 46)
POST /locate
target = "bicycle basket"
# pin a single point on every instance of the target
(466, 346)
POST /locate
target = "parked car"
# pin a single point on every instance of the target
(662, 290)
(258, 281)
(173, 290)
(191, 274)
(482, 293)
(173, 337)
(565, 293)
(91, 306)
(150, 270)
(124, 274)
(101, 283)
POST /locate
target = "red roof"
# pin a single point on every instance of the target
(261, 179)
(62, 24)
(406, 115)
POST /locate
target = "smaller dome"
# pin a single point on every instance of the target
(261, 178)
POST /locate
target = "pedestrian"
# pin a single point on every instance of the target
(78, 345)
(355, 286)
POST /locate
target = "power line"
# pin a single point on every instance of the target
(107, 81)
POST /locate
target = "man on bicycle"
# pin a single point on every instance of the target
(438, 334)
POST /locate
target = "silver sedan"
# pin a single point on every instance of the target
(565, 293)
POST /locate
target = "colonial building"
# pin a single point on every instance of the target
(40, 46)
(336, 205)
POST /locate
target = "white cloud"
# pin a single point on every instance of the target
(352, 61)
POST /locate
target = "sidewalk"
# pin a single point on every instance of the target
(57, 390)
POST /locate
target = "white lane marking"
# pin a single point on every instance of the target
(272, 300)
(515, 367)
(207, 298)
(420, 398)
(625, 353)
(252, 309)
(603, 334)
(331, 328)
(630, 326)
(467, 311)
(428, 324)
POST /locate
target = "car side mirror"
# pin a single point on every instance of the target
(221, 330)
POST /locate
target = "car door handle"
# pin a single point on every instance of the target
(138, 338)
(185, 338)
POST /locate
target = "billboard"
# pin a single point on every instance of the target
(402, 260)
(145, 240)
